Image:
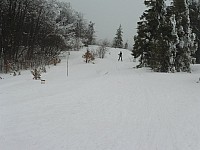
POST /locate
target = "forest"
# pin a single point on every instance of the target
(32, 33)
(168, 36)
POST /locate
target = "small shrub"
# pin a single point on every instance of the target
(88, 56)
(36, 74)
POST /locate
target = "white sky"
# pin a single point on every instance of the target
(109, 14)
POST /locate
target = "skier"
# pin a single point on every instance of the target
(120, 56)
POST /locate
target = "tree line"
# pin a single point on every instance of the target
(168, 35)
(32, 33)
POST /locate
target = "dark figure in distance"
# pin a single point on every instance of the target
(120, 56)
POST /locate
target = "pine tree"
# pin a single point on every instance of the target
(141, 43)
(126, 45)
(90, 33)
(165, 38)
(152, 43)
(194, 8)
(186, 44)
(165, 41)
(118, 42)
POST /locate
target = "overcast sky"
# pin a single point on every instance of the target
(109, 14)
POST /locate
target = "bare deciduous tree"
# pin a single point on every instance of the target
(101, 51)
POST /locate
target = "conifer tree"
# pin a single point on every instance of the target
(194, 8)
(126, 45)
(186, 45)
(141, 42)
(152, 43)
(90, 33)
(165, 41)
(118, 41)
(157, 44)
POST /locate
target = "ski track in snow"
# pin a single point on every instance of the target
(108, 105)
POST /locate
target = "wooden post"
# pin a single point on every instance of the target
(67, 56)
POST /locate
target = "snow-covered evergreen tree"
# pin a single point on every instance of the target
(194, 7)
(118, 41)
(186, 44)
(90, 34)
(126, 45)
(156, 23)
(165, 41)
(152, 43)
(141, 42)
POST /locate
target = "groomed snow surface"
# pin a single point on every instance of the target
(108, 105)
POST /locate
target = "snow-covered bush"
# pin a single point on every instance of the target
(101, 51)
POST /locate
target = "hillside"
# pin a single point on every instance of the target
(107, 105)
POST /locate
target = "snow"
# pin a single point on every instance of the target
(108, 105)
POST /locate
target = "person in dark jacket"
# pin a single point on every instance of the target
(120, 56)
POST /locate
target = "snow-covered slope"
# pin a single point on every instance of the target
(108, 105)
